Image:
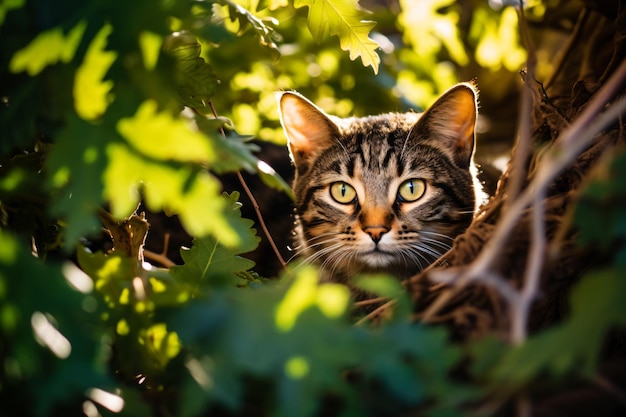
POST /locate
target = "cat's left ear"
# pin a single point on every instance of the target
(451, 122)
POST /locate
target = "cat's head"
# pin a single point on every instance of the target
(382, 193)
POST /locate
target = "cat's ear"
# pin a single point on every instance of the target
(451, 121)
(309, 130)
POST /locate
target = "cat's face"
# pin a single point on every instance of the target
(382, 193)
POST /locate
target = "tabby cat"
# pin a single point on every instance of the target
(384, 193)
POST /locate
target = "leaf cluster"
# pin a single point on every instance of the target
(115, 104)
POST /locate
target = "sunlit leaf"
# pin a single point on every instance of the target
(235, 153)
(209, 262)
(47, 48)
(498, 42)
(246, 18)
(343, 18)
(428, 29)
(111, 273)
(7, 6)
(277, 4)
(91, 92)
(196, 80)
(161, 345)
(76, 168)
(161, 135)
(193, 194)
(301, 295)
(150, 44)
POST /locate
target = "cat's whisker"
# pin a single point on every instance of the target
(441, 235)
(409, 258)
(416, 255)
(366, 156)
(437, 243)
(323, 252)
(429, 250)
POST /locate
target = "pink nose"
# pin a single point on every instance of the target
(376, 232)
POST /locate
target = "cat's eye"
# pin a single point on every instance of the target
(342, 192)
(411, 190)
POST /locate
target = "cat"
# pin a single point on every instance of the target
(385, 193)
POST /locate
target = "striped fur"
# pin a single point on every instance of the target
(380, 231)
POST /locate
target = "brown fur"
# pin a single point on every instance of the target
(370, 159)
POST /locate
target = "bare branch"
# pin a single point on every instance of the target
(376, 312)
(575, 139)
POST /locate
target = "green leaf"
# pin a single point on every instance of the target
(196, 80)
(51, 333)
(91, 93)
(150, 44)
(47, 48)
(600, 213)
(264, 32)
(235, 153)
(343, 18)
(192, 193)
(210, 262)
(162, 136)
(430, 25)
(9, 5)
(112, 273)
(76, 163)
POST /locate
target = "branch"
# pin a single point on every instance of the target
(161, 257)
(520, 310)
(575, 139)
(376, 312)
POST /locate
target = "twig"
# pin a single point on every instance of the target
(517, 167)
(255, 204)
(257, 210)
(520, 310)
(524, 406)
(159, 257)
(369, 301)
(376, 312)
(162, 256)
(605, 384)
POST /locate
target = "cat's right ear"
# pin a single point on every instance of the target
(309, 130)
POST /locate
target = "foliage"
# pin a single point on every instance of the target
(116, 104)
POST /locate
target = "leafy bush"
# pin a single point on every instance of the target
(111, 104)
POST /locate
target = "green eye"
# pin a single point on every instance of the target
(411, 190)
(342, 192)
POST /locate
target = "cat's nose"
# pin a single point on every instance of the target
(376, 232)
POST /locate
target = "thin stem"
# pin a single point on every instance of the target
(518, 168)
(521, 309)
(369, 301)
(257, 210)
(376, 312)
(159, 257)
(255, 204)
(524, 406)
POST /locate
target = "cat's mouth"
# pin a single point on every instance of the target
(378, 249)
(377, 257)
